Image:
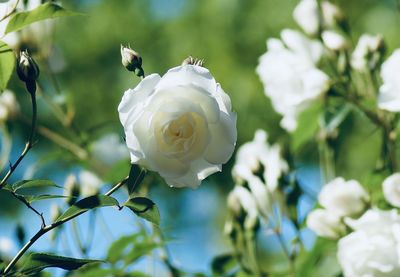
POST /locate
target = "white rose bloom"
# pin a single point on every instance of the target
(389, 92)
(6, 246)
(363, 57)
(240, 199)
(307, 15)
(251, 155)
(334, 41)
(89, 183)
(290, 77)
(109, 149)
(345, 198)
(372, 250)
(391, 189)
(180, 125)
(325, 223)
(8, 106)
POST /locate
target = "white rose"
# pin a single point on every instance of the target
(345, 198)
(325, 223)
(256, 153)
(241, 200)
(366, 54)
(89, 182)
(391, 189)
(389, 92)
(334, 41)
(180, 125)
(307, 15)
(290, 77)
(8, 106)
(6, 246)
(109, 149)
(372, 250)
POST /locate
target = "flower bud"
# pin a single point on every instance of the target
(368, 53)
(325, 224)
(72, 190)
(131, 60)
(332, 15)
(334, 41)
(193, 61)
(27, 69)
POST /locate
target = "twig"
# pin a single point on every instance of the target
(23, 200)
(28, 145)
(50, 227)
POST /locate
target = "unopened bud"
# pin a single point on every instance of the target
(72, 189)
(193, 61)
(27, 68)
(131, 60)
(334, 40)
(28, 71)
(332, 14)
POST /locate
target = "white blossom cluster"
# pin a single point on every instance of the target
(368, 237)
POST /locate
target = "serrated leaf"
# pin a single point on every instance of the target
(24, 184)
(223, 264)
(88, 203)
(44, 11)
(145, 208)
(7, 63)
(36, 262)
(307, 126)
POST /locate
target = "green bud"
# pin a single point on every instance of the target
(131, 60)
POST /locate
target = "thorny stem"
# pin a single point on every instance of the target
(50, 227)
(28, 145)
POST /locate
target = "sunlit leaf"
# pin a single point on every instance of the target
(24, 184)
(36, 262)
(46, 11)
(144, 208)
(88, 203)
(7, 63)
(33, 198)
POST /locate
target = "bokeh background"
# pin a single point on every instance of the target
(229, 35)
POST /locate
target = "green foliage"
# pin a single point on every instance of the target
(136, 176)
(25, 184)
(88, 203)
(36, 262)
(145, 208)
(7, 63)
(46, 11)
(223, 265)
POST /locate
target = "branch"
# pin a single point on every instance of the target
(50, 227)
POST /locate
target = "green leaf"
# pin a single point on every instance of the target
(145, 208)
(223, 265)
(45, 11)
(136, 176)
(36, 262)
(117, 248)
(7, 63)
(24, 184)
(307, 126)
(34, 198)
(91, 202)
(139, 250)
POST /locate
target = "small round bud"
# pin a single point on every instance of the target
(334, 40)
(72, 189)
(27, 69)
(193, 61)
(131, 60)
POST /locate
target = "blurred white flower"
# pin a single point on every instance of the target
(307, 15)
(110, 149)
(389, 92)
(262, 195)
(373, 248)
(344, 198)
(241, 200)
(55, 211)
(9, 106)
(89, 182)
(325, 223)
(72, 190)
(334, 40)
(391, 189)
(290, 77)
(6, 246)
(331, 14)
(366, 55)
(180, 125)
(256, 155)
